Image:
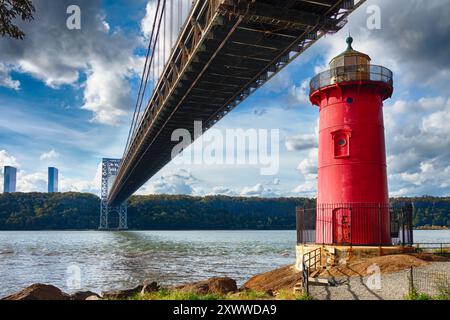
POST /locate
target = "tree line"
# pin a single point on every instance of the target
(80, 211)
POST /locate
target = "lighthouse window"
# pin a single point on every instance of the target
(342, 143)
(349, 100)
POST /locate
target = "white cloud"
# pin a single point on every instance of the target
(49, 156)
(299, 95)
(98, 61)
(31, 182)
(179, 182)
(6, 80)
(308, 172)
(303, 142)
(37, 182)
(308, 166)
(269, 190)
(223, 191)
(306, 189)
(78, 185)
(7, 160)
(418, 146)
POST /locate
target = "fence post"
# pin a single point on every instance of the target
(379, 227)
(305, 277)
(323, 226)
(411, 281)
(410, 223)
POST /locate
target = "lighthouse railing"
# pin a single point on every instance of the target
(356, 224)
(368, 72)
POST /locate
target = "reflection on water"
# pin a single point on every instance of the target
(110, 260)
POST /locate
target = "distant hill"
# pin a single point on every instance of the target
(80, 211)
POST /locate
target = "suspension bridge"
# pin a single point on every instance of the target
(204, 58)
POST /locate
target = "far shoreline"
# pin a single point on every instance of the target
(432, 228)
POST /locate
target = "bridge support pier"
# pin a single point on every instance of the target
(106, 211)
(110, 169)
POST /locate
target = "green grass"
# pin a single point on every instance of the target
(305, 297)
(444, 294)
(414, 295)
(249, 295)
(290, 295)
(165, 294)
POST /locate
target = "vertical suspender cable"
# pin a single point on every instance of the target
(146, 81)
(141, 97)
(164, 40)
(142, 78)
(165, 37)
(171, 23)
(135, 127)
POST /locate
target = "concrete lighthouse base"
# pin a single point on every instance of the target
(331, 255)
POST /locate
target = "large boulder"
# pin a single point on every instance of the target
(122, 294)
(39, 292)
(284, 278)
(83, 295)
(150, 287)
(211, 286)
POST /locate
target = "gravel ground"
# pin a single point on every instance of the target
(394, 286)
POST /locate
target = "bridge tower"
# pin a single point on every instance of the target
(110, 168)
(353, 199)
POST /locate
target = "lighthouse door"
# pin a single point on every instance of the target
(342, 226)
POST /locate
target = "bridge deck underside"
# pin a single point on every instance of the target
(239, 49)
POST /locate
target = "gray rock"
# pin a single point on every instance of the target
(122, 294)
(150, 287)
(211, 286)
(83, 295)
(39, 292)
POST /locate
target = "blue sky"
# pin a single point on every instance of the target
(66, 99)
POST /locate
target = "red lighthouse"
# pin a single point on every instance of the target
(353, 199)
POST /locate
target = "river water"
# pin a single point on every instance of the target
(99, 261)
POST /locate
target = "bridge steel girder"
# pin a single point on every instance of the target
(208, 57)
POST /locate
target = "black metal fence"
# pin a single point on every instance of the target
(316, 225)
(432, 283)
(433, 248)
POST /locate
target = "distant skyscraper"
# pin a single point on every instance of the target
(52, 180)
(9, 184)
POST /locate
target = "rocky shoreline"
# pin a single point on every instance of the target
(349, 283)
(213, 286)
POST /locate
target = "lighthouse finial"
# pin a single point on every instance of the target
(349, 42)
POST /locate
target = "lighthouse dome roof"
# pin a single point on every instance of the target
(350, 57)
